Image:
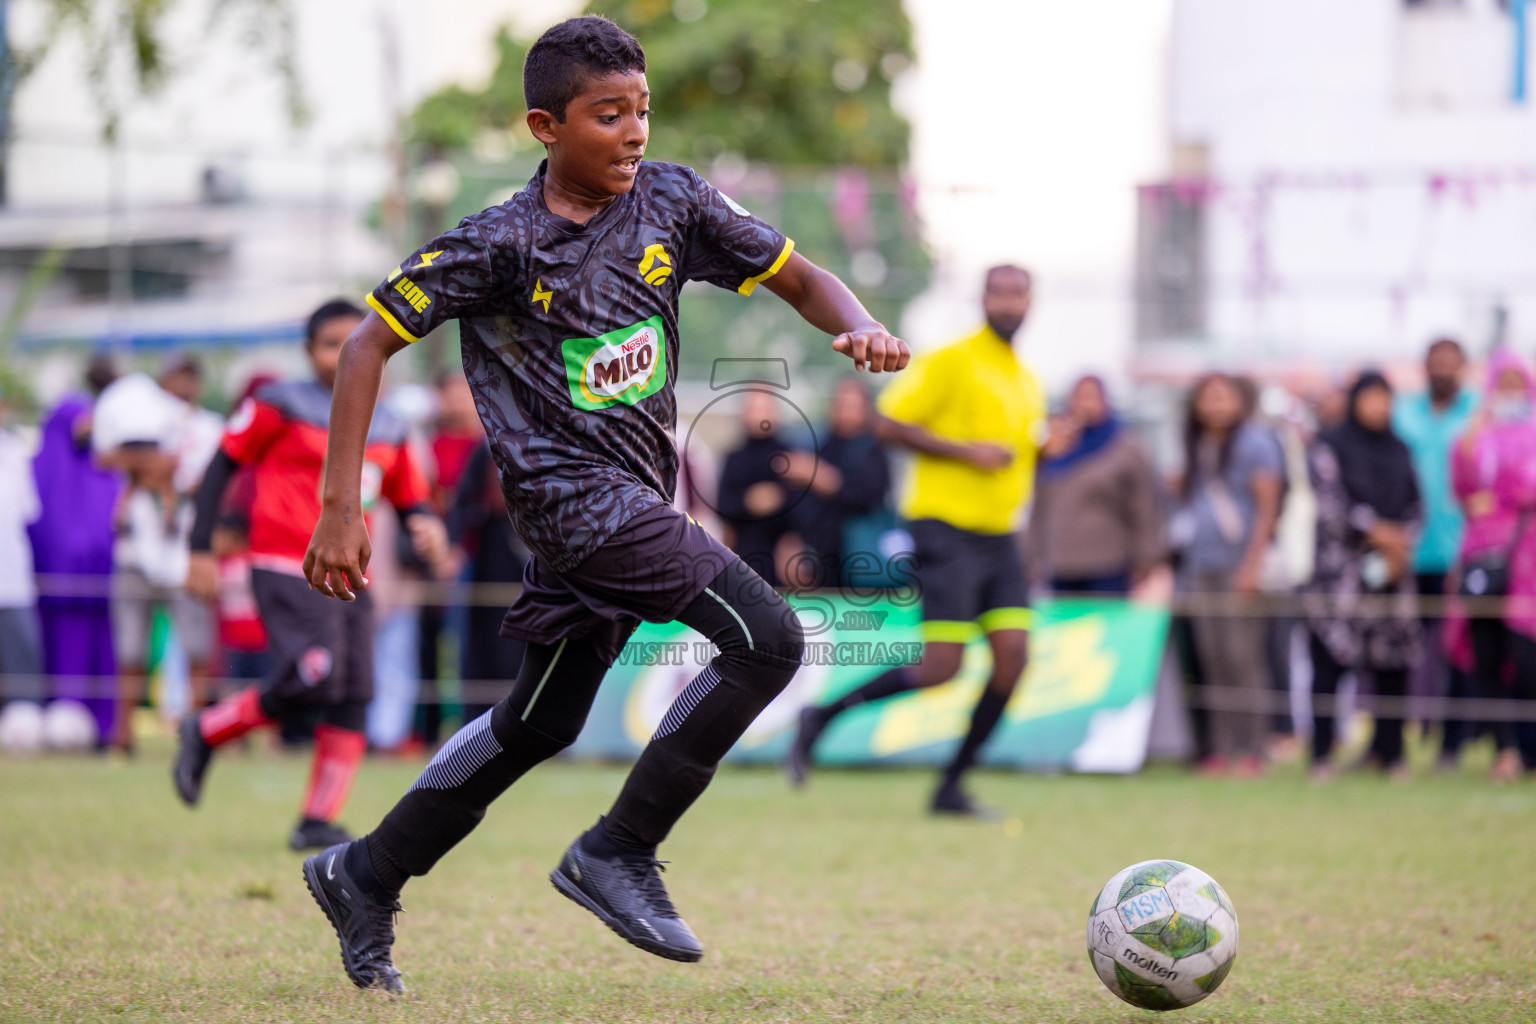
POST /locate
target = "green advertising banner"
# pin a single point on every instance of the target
(1085, 703)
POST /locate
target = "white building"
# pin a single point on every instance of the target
(1032, 125)
(215, 220)
(1351, 179)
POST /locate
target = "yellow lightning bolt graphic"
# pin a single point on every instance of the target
(542, 294)
(427, 258)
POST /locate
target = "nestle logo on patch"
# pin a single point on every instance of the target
(616, 368)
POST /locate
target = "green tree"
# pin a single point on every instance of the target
(456, 119)
(801, 82)
(127, 56)
(794, 83)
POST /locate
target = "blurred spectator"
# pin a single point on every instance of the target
(754, 499)
(1273, 575)
(196, 439)
(1368, 514)
(1493, 471)
(456, 434)
(1095, 526)
(144, 430)
(72, 552)
(1286, 417)
(1229, 503)
(394, 574)
(846, 479)
(198, 433)
(20, 652)
(1429, 422)
(100, 372)
(1329, 407)
(698, 486)
(478, 523)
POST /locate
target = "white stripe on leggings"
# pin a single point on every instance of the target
(686, 701)
(554, 660)
(470, 749)
(735, 615)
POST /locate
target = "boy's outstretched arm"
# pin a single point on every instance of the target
(826, 303)
(339, 550)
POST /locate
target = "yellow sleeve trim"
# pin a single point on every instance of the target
(389, 318)
(778, 265)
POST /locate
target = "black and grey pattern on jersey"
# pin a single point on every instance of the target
(570, 340)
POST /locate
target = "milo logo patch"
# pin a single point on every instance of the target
(622, 366)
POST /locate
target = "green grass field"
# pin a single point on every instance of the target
(1364, 901)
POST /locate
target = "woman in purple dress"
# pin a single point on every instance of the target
(72, 542)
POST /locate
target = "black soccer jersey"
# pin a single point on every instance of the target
(570, 340)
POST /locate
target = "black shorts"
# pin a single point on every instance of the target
(321, 648)
(968, 580)
(650, 569)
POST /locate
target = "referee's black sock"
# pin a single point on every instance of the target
(887, 684)
(989, 711)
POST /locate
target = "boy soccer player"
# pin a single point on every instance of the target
(322, 652)
(567, 299)
(974, 415)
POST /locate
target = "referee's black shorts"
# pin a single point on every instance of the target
(968, 581)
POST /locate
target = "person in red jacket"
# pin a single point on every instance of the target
(321, 650)
(242, 634)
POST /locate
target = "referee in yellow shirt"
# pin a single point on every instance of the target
(974, 416)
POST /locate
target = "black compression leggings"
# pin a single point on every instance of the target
(760, 642)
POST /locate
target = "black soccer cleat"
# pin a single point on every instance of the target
(365, 927)
(797, 763)
(626, 894)
(191, 763)
(310, 834)
(953, 802)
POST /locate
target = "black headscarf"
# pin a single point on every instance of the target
(1376, 466)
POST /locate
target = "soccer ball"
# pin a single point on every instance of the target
(1162, 935)
(21, 728)
(68, 726)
